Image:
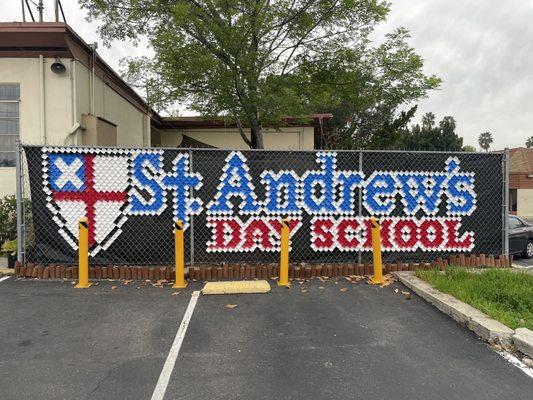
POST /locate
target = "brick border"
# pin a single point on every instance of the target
(252, 271)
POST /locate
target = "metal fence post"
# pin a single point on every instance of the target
(18, 184)
(191, 217)
(506, 202)
(360, 197)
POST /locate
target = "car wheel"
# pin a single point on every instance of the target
(528, 252)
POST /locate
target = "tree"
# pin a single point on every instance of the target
(258, 61)
(485, 140)
(432, 137)
(529, 142)
(468, 148)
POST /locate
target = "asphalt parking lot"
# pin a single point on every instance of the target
(313, 341)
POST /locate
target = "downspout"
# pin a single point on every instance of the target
(73, 108)
(93, 46)
(91, 91)
(73, 91)
(148, 130)
(42, 100)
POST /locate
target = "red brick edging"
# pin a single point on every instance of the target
(251, 271)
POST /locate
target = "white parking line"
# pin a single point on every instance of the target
(517, 363)
(162, 383)
(4, 278)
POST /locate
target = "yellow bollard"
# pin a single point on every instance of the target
(83, 254)
(376, 250)
(284, 259)
(179, 282)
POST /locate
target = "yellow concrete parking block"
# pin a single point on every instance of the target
(236, 287)
(7, 271)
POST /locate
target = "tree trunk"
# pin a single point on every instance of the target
(256, 134)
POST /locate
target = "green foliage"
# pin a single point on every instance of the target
(432, 137)
(485, 140)
(504, 295)
(529, 142)
(8, 218)
(468, 148)
(10, 246)
(256, 62)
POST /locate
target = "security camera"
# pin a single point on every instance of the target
(58, 67)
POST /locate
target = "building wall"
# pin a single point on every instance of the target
(26, 72)
(132, 129)
(61, 112)
(287, 138)
(520, 181)
(524, 202)
(7, 181)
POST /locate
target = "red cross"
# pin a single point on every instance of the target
(89, 196)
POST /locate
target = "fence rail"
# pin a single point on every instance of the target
(430, 204)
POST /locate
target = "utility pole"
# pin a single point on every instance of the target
(23, 11)
(56, 10)
(40, 8)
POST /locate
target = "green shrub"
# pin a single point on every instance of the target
(9, 247)
(8, 218)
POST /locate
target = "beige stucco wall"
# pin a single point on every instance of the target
(26, 72)
(524, 202)
(287, 138)
(61, 112)
(7, 181)
(132, 129)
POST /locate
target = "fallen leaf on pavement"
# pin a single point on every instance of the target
(343, 289)
(407, 295)
(304, 290)
(321, 287)
(175, 293)
(396, 290)
(231, 306)
(113, 287)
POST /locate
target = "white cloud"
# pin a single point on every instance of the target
(482, 49)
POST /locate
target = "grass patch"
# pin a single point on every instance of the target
(502, 294)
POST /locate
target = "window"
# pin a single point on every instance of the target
(513, 200)
(9, 123)
(515, 223)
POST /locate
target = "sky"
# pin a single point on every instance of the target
(481, 49)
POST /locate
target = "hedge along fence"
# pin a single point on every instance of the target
(431, 206)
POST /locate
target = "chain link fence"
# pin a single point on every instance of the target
(429, 204)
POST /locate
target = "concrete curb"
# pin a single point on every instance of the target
(519, 268)
(485, 327)
(523, 340)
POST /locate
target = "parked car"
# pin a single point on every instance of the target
(520, 237)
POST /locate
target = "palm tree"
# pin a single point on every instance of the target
(529, 142)
(485, 140)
